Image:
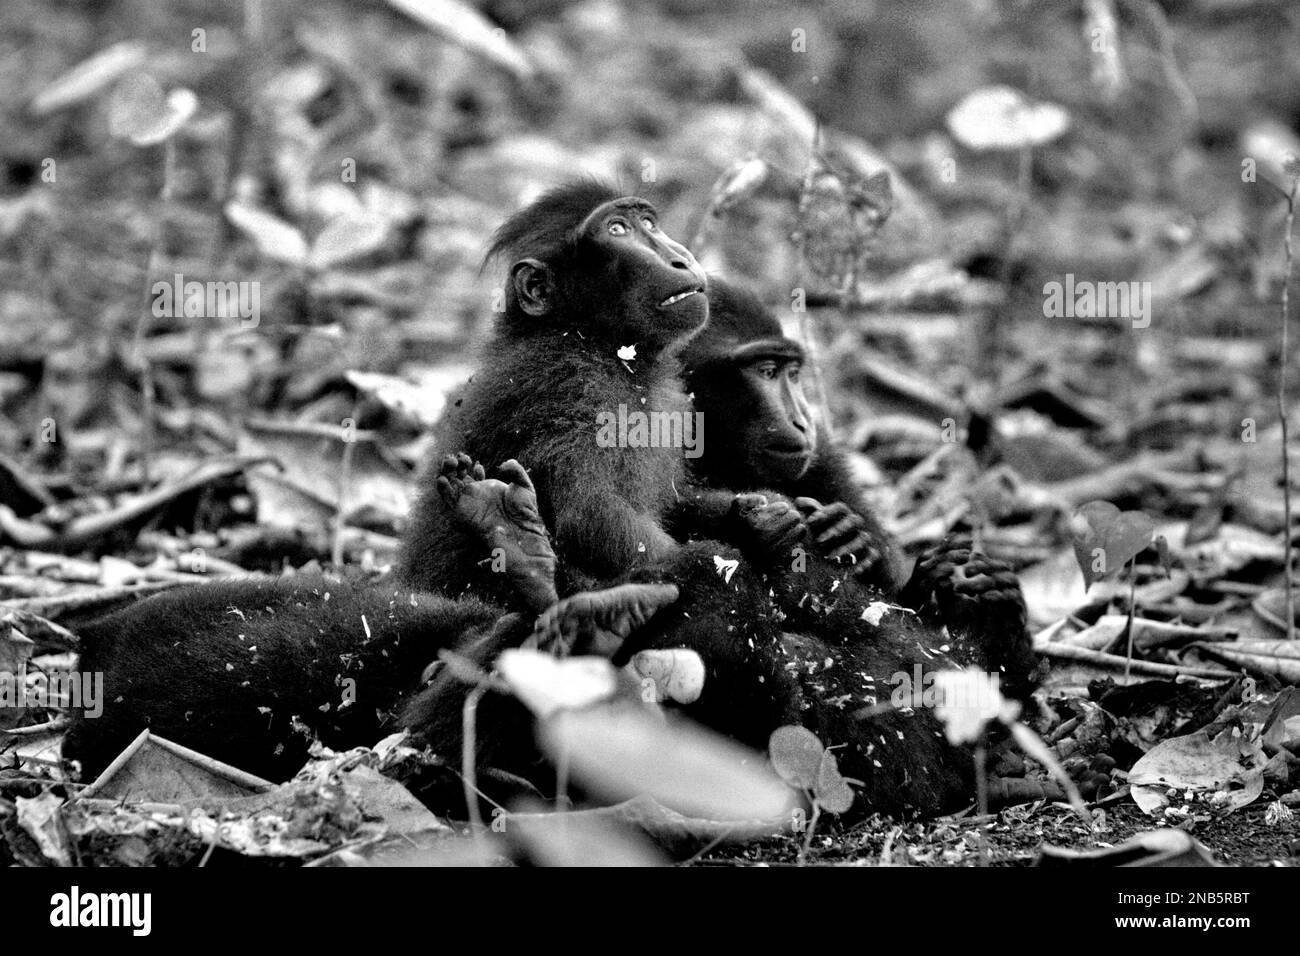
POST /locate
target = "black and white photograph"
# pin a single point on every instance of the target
(695, 434)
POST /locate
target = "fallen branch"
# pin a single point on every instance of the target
(83, 530)
(1165, 470)
(51, 607)
(1116, 662)
(57, 725)
(37, 627)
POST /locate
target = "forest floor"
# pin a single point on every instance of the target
(348, 165)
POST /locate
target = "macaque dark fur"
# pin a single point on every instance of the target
(977, 598)
(544, 379)
(551, 368)
(741, 422)
(758, 679)
(761, 678)
(248, 671)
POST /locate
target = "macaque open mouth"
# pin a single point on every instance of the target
(678, 297)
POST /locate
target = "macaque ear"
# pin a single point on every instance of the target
(534, 288)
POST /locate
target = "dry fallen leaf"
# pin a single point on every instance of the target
(1229, 764)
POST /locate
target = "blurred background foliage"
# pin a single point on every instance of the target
(449, 129)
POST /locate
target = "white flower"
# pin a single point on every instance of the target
(967, 700)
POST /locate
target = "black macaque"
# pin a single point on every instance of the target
(770, 479)
(757, 679)
(840, 691)
(598, 303)
(762, 438)
(249, 671)
(899, 753)
(597, 309)
(593, 275)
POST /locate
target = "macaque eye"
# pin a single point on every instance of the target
(618, 228)
(766, 370)
(793, 373)
(649, 224)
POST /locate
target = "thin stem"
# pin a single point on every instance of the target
(812, 828)
(1132, 604)
(152, 262)
(1281, 411)
(345, 484)
(990, 346)
(805, 326)
(562, 779)
(982, 797)
(813, 363)
(468, 749)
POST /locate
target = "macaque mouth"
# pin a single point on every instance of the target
(788, 452)
(678, 297)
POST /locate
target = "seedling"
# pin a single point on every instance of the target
(802, 761)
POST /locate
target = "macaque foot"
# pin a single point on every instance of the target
(965, 586)
(767, 529)
(598, 622)
(979, 600)
(504, 515)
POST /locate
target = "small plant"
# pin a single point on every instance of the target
(969, 700)
(841, 211)
(1002, 119)
(802, 761)
(139, 113)
(309, 262)
(1106, 539)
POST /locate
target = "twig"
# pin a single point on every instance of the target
(49, 727)
(84, 530)
(1065, 652)
(51, 607)
(212, 847)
